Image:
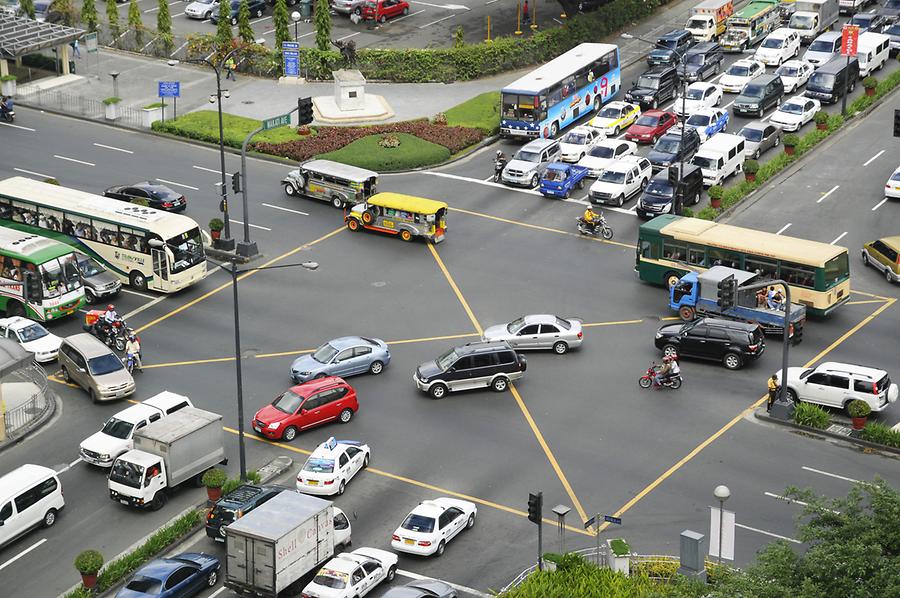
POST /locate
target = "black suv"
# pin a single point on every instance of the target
(474, 365)
(760, 94)
(235, 505)
(670, 47)
(656, 85)
(732, 343)
(702, 61)
(670, 149)
(670, 190)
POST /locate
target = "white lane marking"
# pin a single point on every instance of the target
(491, 2)
(489, 179)
(116, 149)
(436, 22)
(759, 531)
(831, 475)
(268, 205)
(46, 176)
(181, 47)
(412, 14)
(873, 158)
(480, 182)
(250, 225)
(783, 228)
(217, 592)
(716, 77)
(260, 20)
(178, 14)
(447, 6)
(21, 554)
(177, 184)
(412, 575)
(130, 292)
(74, 160)
(725, 107)
(346, 36)
(879, 204)
(70, 465)
(794, 501)
(147, 305)
(840, 236)
(18, 127)
(210, 170)
(833, 189)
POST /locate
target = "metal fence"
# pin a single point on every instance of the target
(71, 103)
(18, 419)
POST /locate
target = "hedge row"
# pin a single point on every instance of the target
(733, 195)
(880, 433)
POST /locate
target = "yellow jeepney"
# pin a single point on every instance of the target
(403, 215)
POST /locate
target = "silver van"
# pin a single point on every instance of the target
(87, 362)
(30, 495)
(530, 162)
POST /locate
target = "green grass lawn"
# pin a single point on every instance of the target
(412, 153)
(482, 112)
(204, 126)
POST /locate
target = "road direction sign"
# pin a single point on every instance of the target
(290, 56)
(277, 121)
(849, 40)
(611, 519)
(90, 42)
(169, 89)
(589, 522)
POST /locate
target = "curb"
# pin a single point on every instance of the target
(761, 414)
(36, 424)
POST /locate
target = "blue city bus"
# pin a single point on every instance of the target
(558, 93)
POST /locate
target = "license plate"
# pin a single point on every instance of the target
(257, 428)
(409, 541)
(123, 501)
(313, 482)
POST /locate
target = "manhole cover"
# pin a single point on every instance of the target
(842, 430)
(247, 102)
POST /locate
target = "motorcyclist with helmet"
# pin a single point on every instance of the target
(668, 371)
(591, 219)
(133, 348)
(499, 165)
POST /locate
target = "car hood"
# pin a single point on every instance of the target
(742, 99)
(656, 156)
(269, 414)
(661, 54)
(114, 378)
(571, 148)
(429, 369)
(601, 122)
(198, 7)
(44, 344)
(306, 363)
(642, 130)
(642, 91)
(594, 163)
(104, 444)
(604, 187)
(690, 106)
(498, 332)
(670, 329)
(769, 51)
(732, 80)
(102, 279)
(522, 165)
(785, 117)
(693, 69)
(793, 375)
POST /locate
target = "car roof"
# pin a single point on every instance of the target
(165, 399)
(317, 384)
(324, 450)
(619, 104)
(659, 69)
(829, 36)
(701, 85)
(482, 347)
(731, 324)
(24, 475)
(539, 144)
(892, 242)
(162, 568)
(540, 319)
(860, 370)
(703, 48)
(758, 125)
(16, 322)
(781, 32)
(88, 345)
(674, 34)
(745, 62)
(345, 342)
(135, 413)
(655, 112)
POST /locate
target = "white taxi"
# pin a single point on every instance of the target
(615, 117)
(433, 523)
(698, 96)
(352, 574)
(892, 186)
(605, 152)
(794, 74)
(331, 466)
(740, 73)
(795, 112)
(32, 336)
(576, 143)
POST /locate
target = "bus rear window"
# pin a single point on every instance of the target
(836, 270)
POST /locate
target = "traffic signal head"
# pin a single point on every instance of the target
(673, 175)
(535, 506)
(236, 182)
(304, 111)
(896, 122)
(725, 292)
(32, 283)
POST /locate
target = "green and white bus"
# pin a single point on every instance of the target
(144, 247)
(38, 277)
(671, 246)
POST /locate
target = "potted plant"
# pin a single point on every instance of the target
(751, 167)
(859, 410)
(870, 83)
(821, 119)
(715, 196)
(111, 106)
(215, 228)
(8, 85)
(88, 563)
(619, 553)
(214, 479)
(790, 142)
(152, 113)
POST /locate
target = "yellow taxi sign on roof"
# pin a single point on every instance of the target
(408, 203)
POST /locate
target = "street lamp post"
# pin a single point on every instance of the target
(295, 17)
(722, 493)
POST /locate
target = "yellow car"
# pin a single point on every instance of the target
(615, 117)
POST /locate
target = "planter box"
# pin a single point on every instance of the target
(112, 111)
(619, 564)
(150, 115)
(8, 88)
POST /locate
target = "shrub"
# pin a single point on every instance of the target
(111, 100)
(687, 212)
(858, 408)
(214, 224)
(791, 140)
(813, 416)
(88, 562)
(232, 483)
(389, 141)
(619, 547)
(716, 192)
(708, 213)
(751, 166)
(368, 153)
(5, 78)
(439, 119)
(881, 434)
(51, 181)
(821, 117)
(870, 82)
(215, 477)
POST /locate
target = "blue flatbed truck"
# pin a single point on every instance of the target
(695, 296)
(559, 179)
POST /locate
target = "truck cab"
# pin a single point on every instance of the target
(136, 478)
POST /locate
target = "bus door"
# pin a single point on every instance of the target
(160, 264)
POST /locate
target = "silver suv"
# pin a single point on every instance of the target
(836, 384)
(530, 162)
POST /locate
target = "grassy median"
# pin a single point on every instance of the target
(411, 153)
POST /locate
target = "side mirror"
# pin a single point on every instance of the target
(82, 370)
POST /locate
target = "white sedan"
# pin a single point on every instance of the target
(795, 113)
(698, 96)
(605, 152)
(331, 466)
(352, 574)
(576, 143)
(433, 523)
(892, 186)
(794, 74)
(32, 336)
(740, 73)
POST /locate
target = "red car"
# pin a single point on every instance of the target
(650, 126)
(301, 407)
(382, 10)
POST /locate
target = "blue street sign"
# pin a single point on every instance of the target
(290, 45)
(290, 56)
(169, 89)
(611, 519)
(589, 522)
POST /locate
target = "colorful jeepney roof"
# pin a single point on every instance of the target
(408, 203)
(753, 9)
(28, 247)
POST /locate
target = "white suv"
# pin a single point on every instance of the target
(836, 384)
(621, 179)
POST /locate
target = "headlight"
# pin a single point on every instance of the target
(104, 457)
(303, 373)
(659, 335)
(648, 98)
(273, 425)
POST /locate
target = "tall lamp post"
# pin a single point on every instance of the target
(295, 17)
(721, 493)
(226, 242)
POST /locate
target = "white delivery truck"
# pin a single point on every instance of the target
(707, 20)
(277, 543)
(166, 453)
(812, 17)
(720, 157)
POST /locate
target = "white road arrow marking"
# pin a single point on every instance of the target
(446, 6)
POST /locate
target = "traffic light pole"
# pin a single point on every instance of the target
(535, 510)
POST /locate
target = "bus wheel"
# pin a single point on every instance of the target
(406, 235)
(14, 308)
(138, 280)
(554, 129)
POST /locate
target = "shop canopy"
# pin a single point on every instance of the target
(20, 36)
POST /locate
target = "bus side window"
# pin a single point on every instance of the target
(50, 219)
(109, 235)
(763, 267)
(5, 208)
(649, 250)
(674, 251)
(696, 256)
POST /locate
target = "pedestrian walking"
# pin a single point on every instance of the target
(76, 49)
(525, 17)
(229, 69)
(773, 390)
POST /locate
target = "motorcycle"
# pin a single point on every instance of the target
(600, 226)
(499, 165)
(646, 381)
(131, 363)
(8, 115)
(113, 335)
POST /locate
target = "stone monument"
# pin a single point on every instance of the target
(349, 90)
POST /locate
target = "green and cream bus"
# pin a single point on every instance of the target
(144, 247)
(671, 246)
(39, 277)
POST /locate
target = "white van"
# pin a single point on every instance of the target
(872, 52)
(720, 157)
(29, 496)
(779, 46)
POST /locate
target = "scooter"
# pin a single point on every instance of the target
(8, 115)
(131, 363)
(600, 226)
(499, 165)
(646, 381)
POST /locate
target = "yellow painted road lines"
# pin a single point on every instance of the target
(455, 288)
(864, 302)
(864, 294)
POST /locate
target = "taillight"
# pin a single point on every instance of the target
(167, 204)
(238, 514)
(424, 543)
(395, 537)
(580, 334)
(752, 347)
(874, 388)
(209, 516)
(329, 482)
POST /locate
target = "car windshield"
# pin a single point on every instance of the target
(862, 20)
(419, 523)
(699, 120)
(751, 134)
(694, 93)
(609, 113)
(704, 162)
(694, 58)
(447, 359)
(893, 30)
(89, 267)
(667, 146)
(695, 24)
(822, 80)
(647, 121)
(288, 402)
(659, 188)
(787, 71)
(331, 579)
(527, 156)
(771, 42)
(648, 82)
(554, 175)
(325, 353)
(896, 176)
(144, 585)
(117, 428)
(802, 21)
(791, 108)
(821, 46)
(612, 176)
(126, 473)
(187, 250)
(738, 70)
(105, 364)
(575, 138)
(32, 332)
(319, 465)
(753, 91)
(601, 152)
(513, 327)
(892, 4)
(564, 323)
(664, 43)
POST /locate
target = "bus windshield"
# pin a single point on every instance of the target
(59, 278)
(187, 250)
(836, 270)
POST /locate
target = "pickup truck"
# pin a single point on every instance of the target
(696, 293)
(559, 179)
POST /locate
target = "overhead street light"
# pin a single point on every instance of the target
(721, 493)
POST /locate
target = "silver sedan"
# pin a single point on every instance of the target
(540, 331)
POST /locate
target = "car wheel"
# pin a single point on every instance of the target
(471, 522)
(643, 185)
(756, 155)
(670, 350)
(732, 361)
(49, 518)
(341, 488)
(440, 548)
(655, 104)
(438, 391)
(376, 368)
(391, 573)
(357, 11)
(405, 11)
(405, 235)
(615, 132)
(208, 15)
(289, 434)
(353, 224)
(383, 19)
(792, 395)
(259, 13)
(887, 275)
(535, 181)
(89, 295)
(560, 348)
(865, 258)
(620, 200)
(212, 578)
(365, 461)
(500, 384)
(93, 395)
(554, 129)
(65, 375)
(138, 280)
(346, 416)
(337, 202)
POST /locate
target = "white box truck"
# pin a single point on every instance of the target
(277, 543)
(707, 20)
(166, 453)
(812, 17)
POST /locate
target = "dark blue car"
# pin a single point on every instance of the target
(179, 576)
